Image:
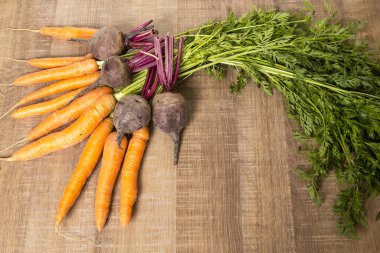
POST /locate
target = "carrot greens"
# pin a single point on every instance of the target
(330, 83)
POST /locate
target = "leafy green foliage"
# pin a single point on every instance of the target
(331, 85)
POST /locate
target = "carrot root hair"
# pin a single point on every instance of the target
(7, 112)
(14, 144)
(75, 239)
(19, 29)
(7, 159)
(6, 84)
(12, 59)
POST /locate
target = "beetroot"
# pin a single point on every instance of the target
(131, 113)
(107, 42)
(169, 115)
(169, 111)
(115, 73)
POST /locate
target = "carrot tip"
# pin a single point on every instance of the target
(8, 159)
(99, 226)
(6, 84)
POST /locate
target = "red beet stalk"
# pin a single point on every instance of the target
(163, 72)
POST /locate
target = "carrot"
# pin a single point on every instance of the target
(69, 32)
(73, 70)
(86, 164)
(57, 87)
(67, 114)
(111, 162)
(45, 107)
(64, 33)
(71, 135)
(61, 86)
(129, 173)
(63, 116)
(48, 63)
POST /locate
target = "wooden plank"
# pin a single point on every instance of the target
(234, 189)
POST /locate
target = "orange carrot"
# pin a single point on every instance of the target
(111, 162)
(69, 32)
(45, 107)
(86, 164)
(67, 114)
(57, 87)
(129, 173)
(48, 63)
(71, 135)
(73, 70)
(61, 86)
(64, 116)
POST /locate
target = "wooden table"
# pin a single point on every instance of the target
(234, 189)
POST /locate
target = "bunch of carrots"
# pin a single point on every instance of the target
(84, 116)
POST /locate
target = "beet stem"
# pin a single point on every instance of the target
(167, 58)
(169, 67)
(151, 49)
(139, 44)
(149, 54)
(144, 36)
(142, 25)
(146, 65)
(132, 34)
(178, 63)
(160, 64)
(168, 75)
(153, 88)
(148, 81)
(142, 60)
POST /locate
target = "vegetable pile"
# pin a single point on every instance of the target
(330, 82)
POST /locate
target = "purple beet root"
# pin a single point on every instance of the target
(131, 113)
(170, 116)
(115, 73)
(107, 42)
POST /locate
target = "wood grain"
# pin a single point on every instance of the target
(234, 189)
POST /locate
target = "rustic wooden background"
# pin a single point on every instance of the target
(234, 189)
